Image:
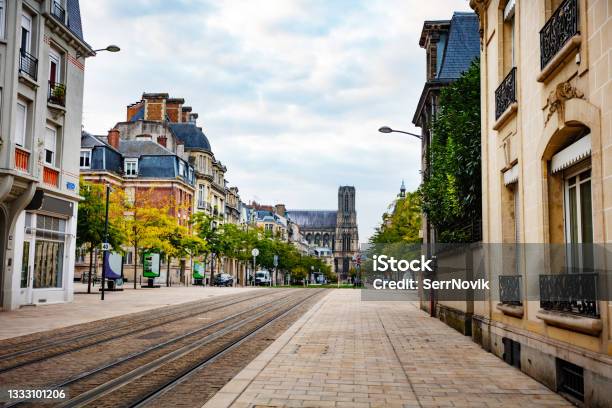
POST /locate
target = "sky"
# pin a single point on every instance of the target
(290, 93)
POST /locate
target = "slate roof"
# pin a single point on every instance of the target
(462, 47)
(313, 219)
(74, 18)
(137, 148)
(88, 140)
(191, 135)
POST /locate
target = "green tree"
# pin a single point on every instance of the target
(451, 190)
(90, 222)
(402, 223)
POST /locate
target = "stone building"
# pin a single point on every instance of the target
(546, 153)
(42, 52)
(333, 229)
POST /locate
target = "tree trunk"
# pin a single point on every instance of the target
(168, 272)
(135, 264)
(91, 251)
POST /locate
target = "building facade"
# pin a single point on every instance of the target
(546, 90)
(42, 52)
(332, 229)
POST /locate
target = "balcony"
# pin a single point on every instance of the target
(50, 177)
(58, 12)
(57, 94)
(558, 30)
(28, 64)
(505, 94)
(22, 159)
(574, 293)
(510, 299)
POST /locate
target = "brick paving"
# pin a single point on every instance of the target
(348, 353)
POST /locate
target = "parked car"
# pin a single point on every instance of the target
(223, 279)
(263, 278)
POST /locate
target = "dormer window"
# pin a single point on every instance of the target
(85, 160)
(131, 167)
(181, 168)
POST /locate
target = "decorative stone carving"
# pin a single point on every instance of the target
(556, 100)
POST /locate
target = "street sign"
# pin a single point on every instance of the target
(106, 246)
(255, 252)
(275, 260)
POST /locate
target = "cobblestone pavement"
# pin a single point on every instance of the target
(349, 353)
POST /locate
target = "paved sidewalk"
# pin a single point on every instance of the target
(349, 353)
(89, 307)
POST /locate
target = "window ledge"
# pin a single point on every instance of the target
(510, 112)
(511, 310)
(557, 61)
(25, 78)
(582, 324)
(55, 107)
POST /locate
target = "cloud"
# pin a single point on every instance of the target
(290, 92)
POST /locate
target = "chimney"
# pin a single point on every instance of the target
(193, 117)
(185, 111)
(162, 140)
(113, 138)
(174, 109)
(280, 209)
(155, 106)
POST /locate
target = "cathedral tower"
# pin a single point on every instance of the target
(347, 236)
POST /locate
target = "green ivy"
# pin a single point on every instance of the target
(451, 189)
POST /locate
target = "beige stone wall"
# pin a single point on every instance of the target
(534, 133)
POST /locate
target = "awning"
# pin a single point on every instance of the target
(511, 175)
(572, 154)
(509, 10)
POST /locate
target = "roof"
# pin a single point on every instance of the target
(191, 135)
(313, 218)
(88, 141)
(462, 47)
(74, 18)
(137, 148)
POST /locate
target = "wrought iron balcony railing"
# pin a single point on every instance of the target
(505, 94)
(28, 64)
(58, 11)
(570, 292)
(559, 28)
(510, 290)
(57, 93)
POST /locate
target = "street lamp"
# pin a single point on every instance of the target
(93, 53)
(387, 129)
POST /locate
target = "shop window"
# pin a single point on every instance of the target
(49, 252)
(25, 264)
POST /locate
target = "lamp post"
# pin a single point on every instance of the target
(93, 53)
(105, 245)
(387, 129)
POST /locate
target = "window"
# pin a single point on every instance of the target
(54, 68)
(181, 168)
(579, 221)
(2, 17)
(21, 124)
(26, 33)
(130, 195)
(201, 195)
(131, 167)
(85, 161)
(50, 145)
(49, 252)
(508, 37)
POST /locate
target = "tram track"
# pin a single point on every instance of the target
(63, 345)
(218, 335)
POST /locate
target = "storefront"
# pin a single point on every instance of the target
(44, 253)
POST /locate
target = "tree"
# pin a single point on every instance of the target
(90, 222)
(451, 190)
(402, 223)
(144, 221)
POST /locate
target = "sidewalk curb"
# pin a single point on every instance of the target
(228, 395)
